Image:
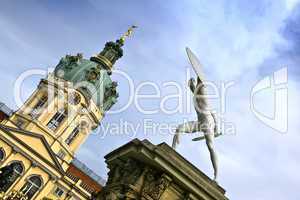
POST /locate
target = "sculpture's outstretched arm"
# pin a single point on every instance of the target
(203, 137)
(188, 127)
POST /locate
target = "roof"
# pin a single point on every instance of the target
(94, 80)
(5, 109)
(90, 173)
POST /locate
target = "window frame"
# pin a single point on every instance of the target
(32, 185)
(59, 189)
(61, 154)
(36, 109)
(73, 135)
(17, 174)
(53, 123)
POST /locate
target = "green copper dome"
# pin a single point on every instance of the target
(92, 77)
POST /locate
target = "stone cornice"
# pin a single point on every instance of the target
(164, 158)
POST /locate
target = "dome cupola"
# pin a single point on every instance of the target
(92, 76)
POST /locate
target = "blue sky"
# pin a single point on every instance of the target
(240, 41)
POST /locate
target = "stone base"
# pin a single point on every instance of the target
(141, 170)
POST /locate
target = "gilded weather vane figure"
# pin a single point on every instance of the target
(128, 33)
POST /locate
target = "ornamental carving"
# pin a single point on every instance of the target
(131, 179)
(93, 74)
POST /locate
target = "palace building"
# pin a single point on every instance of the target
(39, 140)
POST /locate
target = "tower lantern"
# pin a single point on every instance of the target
(112, 51)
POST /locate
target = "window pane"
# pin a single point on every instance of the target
(61, 154)
(56, 120)
(2, 154)
(32, 185)
(59, 192)
(72, 136)
(18, 168)
(37, 108)
(9, 175)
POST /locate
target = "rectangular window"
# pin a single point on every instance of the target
(72, 136)
(59, 192)
(61, 154)
(20, 123)
(57, 119)
(36, 110)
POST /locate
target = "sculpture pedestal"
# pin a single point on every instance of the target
(141, 170)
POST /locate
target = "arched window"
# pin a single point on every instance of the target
(32, 185)
(57, 119)
(2, 154)
(9, 174)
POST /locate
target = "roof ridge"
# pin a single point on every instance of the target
(89, 172)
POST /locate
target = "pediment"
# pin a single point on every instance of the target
(35, 143)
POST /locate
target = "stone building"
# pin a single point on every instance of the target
(143, 171)
(38, 141)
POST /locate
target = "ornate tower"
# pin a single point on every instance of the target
(38, 142)
(70, 102)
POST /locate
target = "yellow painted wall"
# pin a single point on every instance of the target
(56, 140)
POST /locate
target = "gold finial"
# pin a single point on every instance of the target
(128, 33)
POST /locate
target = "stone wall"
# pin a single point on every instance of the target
(141, 170)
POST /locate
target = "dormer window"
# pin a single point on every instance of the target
(73, 135)
(57, 119)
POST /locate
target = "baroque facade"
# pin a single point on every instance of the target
(38, 142)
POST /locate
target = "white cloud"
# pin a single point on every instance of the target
(232, 40)
(291, 4)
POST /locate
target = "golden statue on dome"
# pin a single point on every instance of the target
(128, 33)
